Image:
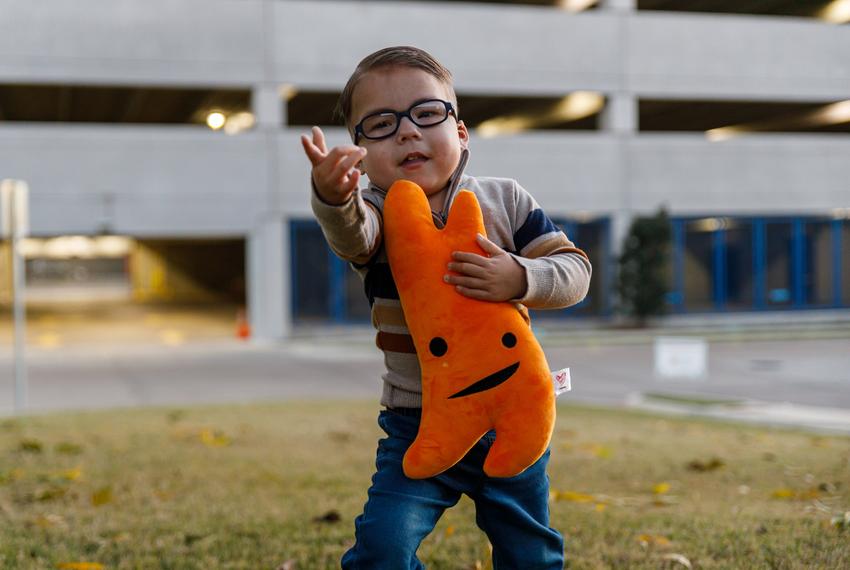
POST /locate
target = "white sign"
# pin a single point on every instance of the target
(14, 208)
(681, 358)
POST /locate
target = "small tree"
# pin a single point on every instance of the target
(642, 278)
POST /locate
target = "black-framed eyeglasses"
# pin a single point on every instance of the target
(385, 124)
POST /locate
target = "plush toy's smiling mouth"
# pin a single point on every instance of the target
(488, 382)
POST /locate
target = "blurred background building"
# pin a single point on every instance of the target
(159, 139)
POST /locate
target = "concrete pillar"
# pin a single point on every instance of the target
(267, 261)
(620, 114)
(268, 106)
(625, 5)
(620, 118)
(267, 255)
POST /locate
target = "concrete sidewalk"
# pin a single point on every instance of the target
(788, 382)
(783, 414)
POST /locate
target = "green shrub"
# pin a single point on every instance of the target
(642, 280)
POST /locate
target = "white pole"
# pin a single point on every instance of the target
(16, 222)
(18, 292)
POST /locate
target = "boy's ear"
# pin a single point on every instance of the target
(462, 134)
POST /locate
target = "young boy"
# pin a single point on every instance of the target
(400, 107)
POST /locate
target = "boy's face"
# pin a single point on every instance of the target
(425, 155)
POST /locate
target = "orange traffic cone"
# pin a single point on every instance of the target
(243, 329)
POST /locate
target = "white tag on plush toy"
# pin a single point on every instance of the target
(561, 380)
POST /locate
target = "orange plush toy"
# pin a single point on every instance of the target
(481, 366)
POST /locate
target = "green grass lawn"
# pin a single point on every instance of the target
(278, 486)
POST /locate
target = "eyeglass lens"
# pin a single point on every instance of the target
(424, 114)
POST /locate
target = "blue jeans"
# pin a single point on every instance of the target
(400, 512)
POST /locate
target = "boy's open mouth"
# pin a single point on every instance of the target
(413, 158)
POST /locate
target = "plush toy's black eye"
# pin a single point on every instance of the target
(509, 340)
(438, 346)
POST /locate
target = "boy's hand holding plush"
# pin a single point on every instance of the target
(494, 277)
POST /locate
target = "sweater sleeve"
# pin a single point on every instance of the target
(352, 229)
(558, 273)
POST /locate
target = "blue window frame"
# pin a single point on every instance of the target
(324, 289)
(594, 238)
(758, 263)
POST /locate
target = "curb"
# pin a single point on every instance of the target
(775, 414)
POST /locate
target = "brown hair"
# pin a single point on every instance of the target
(403, 56)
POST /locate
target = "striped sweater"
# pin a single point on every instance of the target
(558, 273)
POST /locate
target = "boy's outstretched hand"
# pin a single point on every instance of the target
(334, 172)
(497, 277)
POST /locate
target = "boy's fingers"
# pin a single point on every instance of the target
(313, 153)
(466, 257)
(339, 153)
(464, 281)
(347, 163)
(469, 269)
(319, 140)
(353, 179)
(474, 293)
(488, 245)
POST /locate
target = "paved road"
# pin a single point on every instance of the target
(804, 372)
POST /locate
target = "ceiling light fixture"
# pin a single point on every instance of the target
(215, 120)
(577, 5)
(573, 107)
(836, 12)
(831, 114)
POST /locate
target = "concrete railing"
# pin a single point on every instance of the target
(175, 181)
(137, 180)
(491, 48)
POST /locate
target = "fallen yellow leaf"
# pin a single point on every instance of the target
(783, 493)
(597, 450)
(73, 474)
(653, 540)
(11, 475)
(573, 497)
(163, 495)
(661, 488)
(601, 451)
(102, 496)
(214, 438)
(802, 495)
